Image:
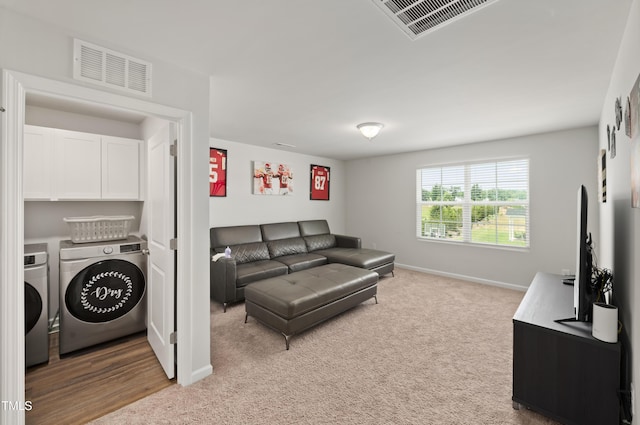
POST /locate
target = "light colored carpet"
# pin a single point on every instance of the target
(433, 351)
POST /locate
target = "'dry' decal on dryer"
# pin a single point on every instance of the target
(105, 291)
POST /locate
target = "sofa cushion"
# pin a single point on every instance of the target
(299, 262)
(290, 246)
(249, 252)
(363, 258)
(317, 242)
(258, 270)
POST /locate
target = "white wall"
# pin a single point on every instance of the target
(241, 206)
(381, 207)
(36, 48)
(619, 223)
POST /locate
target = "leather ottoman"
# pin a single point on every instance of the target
(297, 301)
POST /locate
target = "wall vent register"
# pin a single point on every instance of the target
(97, 65)
(419, 17)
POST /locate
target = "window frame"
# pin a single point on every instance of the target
(466, 204)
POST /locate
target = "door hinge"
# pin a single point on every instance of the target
(173, 337)
(173, 150)
(173, 244)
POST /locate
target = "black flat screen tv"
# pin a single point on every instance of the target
(582, 301)
(582, 298)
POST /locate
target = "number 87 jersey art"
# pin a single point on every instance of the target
(320, 177)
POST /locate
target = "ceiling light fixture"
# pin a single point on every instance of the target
(370, 129)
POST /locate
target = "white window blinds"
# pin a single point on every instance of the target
(484, 202)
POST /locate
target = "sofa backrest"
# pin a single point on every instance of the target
(289, 246)
(249, 252)
(245, 242)
(277, 231)
(221, 237)
(313, 227)
(316, 234)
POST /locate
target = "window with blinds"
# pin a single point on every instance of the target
(480, 203)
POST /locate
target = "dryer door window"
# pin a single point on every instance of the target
(32, 307)
(105, 291)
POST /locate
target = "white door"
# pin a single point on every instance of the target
(160, 213)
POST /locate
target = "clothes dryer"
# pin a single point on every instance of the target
(36, 301)
(102, 291)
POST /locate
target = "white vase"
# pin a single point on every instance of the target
(605, 322)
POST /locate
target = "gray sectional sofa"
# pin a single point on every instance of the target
(264, 251)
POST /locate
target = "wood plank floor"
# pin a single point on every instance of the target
(90, 383)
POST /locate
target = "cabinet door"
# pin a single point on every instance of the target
(120, 168)
(77, 167)
(38, 147)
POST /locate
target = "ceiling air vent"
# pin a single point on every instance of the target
(419, 17)
(107, 68)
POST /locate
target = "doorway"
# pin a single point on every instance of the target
(72, 374)
(15, 86)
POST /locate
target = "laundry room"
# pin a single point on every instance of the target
(84, 163)
(99, 198)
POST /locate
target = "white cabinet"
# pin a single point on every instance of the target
(38, 151)
(120, 168)
(77, 165)
(71, 165)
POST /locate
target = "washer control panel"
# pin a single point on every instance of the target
(134, 247)
(74, 251)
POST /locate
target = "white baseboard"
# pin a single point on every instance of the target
(464, 277)
(201, 373)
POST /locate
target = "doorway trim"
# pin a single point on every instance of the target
(15, 87)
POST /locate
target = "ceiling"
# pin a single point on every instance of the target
(305, 73)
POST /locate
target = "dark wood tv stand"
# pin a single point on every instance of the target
(560, 369)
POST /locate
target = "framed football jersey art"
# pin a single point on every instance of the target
(217, 172)
(320, 180)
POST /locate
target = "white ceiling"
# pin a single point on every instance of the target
(305, 73)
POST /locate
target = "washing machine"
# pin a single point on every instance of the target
(36, 301)
(102, 291)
